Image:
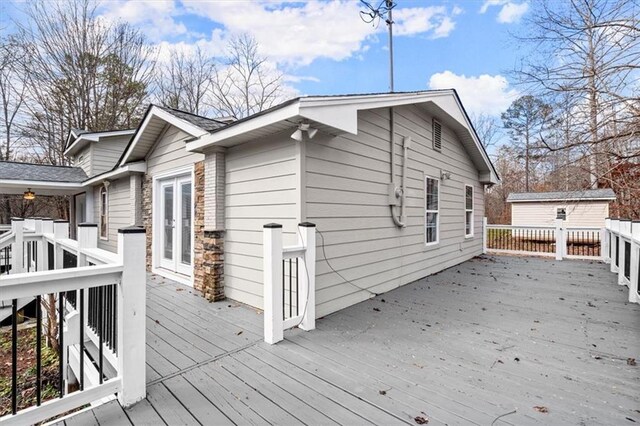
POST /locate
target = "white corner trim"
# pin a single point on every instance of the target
(181, 124)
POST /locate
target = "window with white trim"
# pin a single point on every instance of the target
(432, 210)
(104, 213)
(468, 211)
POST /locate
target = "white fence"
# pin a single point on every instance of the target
(559, 241)
(289, 281)
(92, 294)
(622, 252)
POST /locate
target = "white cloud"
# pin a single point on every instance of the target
(417, 20)
(489, 94)
(510, 11)
(154, 17)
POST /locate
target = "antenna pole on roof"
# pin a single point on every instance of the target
(373, 15)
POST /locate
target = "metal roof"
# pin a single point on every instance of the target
(584, 195)
(10, 170)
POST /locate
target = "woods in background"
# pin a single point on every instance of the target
(578, 126)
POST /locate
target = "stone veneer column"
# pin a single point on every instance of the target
(135, 199)
(209, 240)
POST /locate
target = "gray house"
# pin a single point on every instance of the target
(394, 183)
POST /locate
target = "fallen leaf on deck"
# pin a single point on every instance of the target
(516, 359)
(541, 409)
(376, 309)
(239, 333)
(179, 289)
(421, 420)
(631, 361)
(382, 392)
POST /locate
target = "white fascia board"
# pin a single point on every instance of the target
(94, 137)
(139, 167)
(275, 116)
(181, 124)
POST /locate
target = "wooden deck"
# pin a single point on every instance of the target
(549, 340)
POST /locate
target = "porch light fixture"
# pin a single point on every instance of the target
(29, 194)
(304, 127)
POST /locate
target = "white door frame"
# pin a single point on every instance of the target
(186, 273)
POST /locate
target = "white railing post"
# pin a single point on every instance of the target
(47, 228)
(614, 232)
(484, 235)
(307, 278)
(634, 295)
(272, 296)
(87, 239)
(131, 315)
(605, 238)
(17, 248)
(560, 240)
(40, 253)
(625, 232)
(60, 231)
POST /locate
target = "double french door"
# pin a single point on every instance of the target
(176, 213)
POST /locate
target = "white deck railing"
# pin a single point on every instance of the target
(559, 241)
(622, 252)
(289, 281)
(93, 299)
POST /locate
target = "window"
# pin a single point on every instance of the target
(104, 210)
(432, 208)
(437, 135)
(468, 211)
(561, 213)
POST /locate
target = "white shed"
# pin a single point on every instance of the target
(578, 208)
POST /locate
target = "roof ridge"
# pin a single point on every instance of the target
(39, 164)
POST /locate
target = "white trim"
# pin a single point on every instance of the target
(41, 183)
(171, 119)
(472, 210)
(437, 241)
(560, 200)
(138, 167)
(94, 137)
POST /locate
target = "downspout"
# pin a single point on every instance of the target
(405, 160)
(395, 192)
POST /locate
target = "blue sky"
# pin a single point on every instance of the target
(324, 47)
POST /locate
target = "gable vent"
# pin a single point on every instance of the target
(437, 136)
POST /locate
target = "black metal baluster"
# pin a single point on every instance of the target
(297, 290)
(61, 343)
(290, 291)
(14, 356)
(107, 327)
(115, 318)
(283, 295)
(81, 302)
(100, 323)
(38, 350)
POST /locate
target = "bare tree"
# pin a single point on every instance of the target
(185, 81)
(83, 73)
(246, 83)
(589, 49)
(12, 94)
(487, 128)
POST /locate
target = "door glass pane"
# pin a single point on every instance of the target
(168, 221)
(185, 221)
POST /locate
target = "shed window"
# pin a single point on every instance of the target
(104, 213)
(468, 211)
(432, 210)
(437, 135)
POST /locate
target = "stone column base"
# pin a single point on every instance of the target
(209, 265)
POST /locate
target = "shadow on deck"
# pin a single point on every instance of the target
(548, 339)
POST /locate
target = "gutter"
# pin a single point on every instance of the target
(139, 167)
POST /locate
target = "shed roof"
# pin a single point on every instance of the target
(580, 195)
(10, 170)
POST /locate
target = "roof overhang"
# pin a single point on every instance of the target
(339, 114)
(10, 186)
(137, 149)
(86, 138)
(139, 167)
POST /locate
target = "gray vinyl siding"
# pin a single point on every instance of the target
(170, 153)
(107, 152)
(346, 193)
(120, 214)
(83, 160)
(260, 186)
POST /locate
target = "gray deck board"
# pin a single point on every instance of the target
(444, 347)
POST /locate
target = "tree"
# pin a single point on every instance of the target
(12, 94)
(247, 83)
(589, 50)
(185, 82)
(83, 72)
(525, 119)
(487, 128)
